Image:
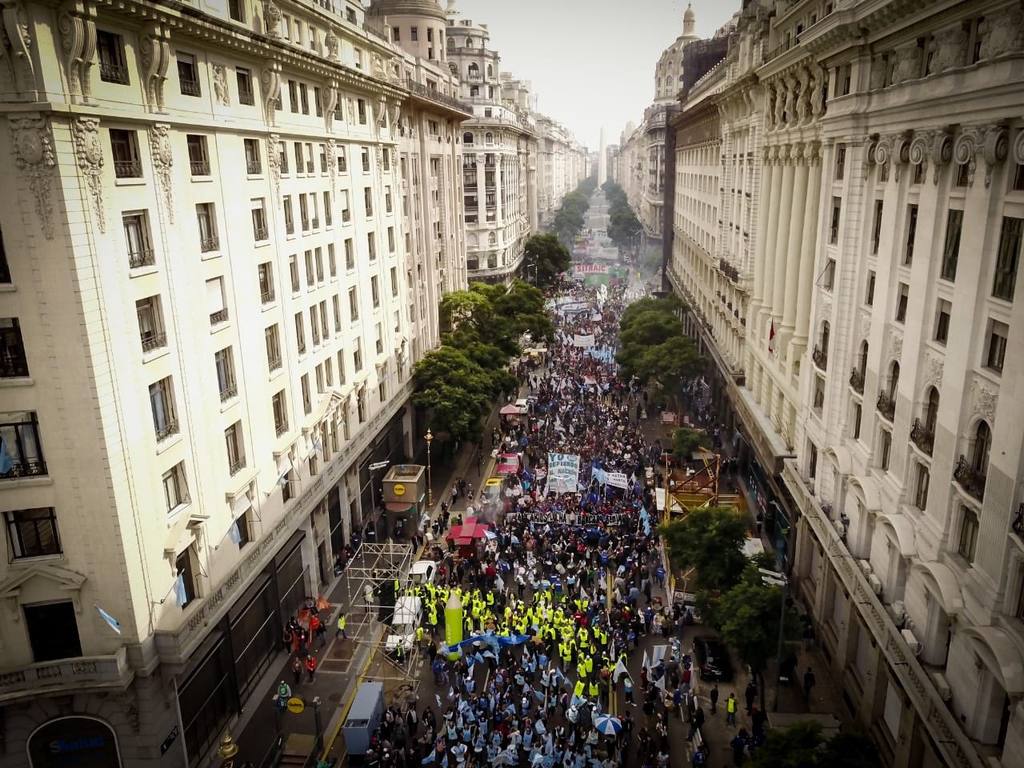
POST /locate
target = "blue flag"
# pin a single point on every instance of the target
(111, 621)
(179, 590)
(6, 463)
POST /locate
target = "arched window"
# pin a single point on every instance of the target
(492, 239)
(982, 444)
(931, 409)
(467, 138)
(473, 70)
(488, 138)
(894, 379)
(469, 42)
(862, 360)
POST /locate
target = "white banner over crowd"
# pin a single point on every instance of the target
(563, 472)
(584, 340)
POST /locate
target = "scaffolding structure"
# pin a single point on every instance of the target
(373, 567)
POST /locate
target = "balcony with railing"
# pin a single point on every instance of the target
(23, 467)
(189, 87)
(820, 357)
(13, 365)
(267, 296)
(72, 675)
(253, 166)
(229, 391)
(274, 363)
(922, 436)
(220, 316)
(210, 243)
(199, 167)
(127, 169)
(969, 478)
(886, 405)
(259, 232)
(236, 465)
(280, 427)
(155, 340)
(113, 73)
(857, 380)
(165, 430)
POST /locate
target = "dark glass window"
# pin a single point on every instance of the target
(32, 532)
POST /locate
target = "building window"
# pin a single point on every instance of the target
(208, 239)
(342, 160)
(951, 248)
(224, 361)
(840, 161)
(21, 452)
(819, 393)
(869, 292)
(828, 278)
(124, 147)
(259, 220)
(921, 482)
(394, 281)
(995, 345)
(942, 314)
(198, 157)
(855, 421)
(151, 324)
(884, 448)
(245, 92)
(314, 325)
(113, 66)
(300, 333)
(272, 337)
(32, 532)
(876, 227)
(371, 245)
(13, 363)
(236, 10)
(350, 255)
(307, 403)
(280, 408)
(365, 155)
(901, 303)
(5, 269)
(215, 301)
(837, 205)
(968, 541)
(357, 355)
(253, 163)
(361, 110)
(266, 277)
(235, 447)
(375, 291)
(1017, 185)
(161, 402)
(1005, 278)
(353, 304)
(48, 645)
(908, 252)
(310, 275)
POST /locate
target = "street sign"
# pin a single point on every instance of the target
(169, 740)
(378, 465)
(296, 705)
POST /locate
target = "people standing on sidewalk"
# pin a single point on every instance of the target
(342, 623)
(296, 671)
(714, 698)
(750, 694)
(809, 682)
(730, 710)
(311, 666)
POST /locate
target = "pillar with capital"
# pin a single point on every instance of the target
(795, 256)
(782, 268)
(765, 205)
(769, 237)
(810, 232)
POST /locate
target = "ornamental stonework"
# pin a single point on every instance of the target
(89, 156)
(34, 156)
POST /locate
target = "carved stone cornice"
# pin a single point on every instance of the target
(870, 146)
(163, 161)
(34, 156)
(89, 154)
(992, 142)
(984, 398)
(77, 25)
(1018, 148)
(941, 151)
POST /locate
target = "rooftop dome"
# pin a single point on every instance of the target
(689, 19)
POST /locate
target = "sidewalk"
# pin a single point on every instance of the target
(340, 663)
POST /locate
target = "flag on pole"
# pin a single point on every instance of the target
(234, 534)
(113, 623)
(771, 338)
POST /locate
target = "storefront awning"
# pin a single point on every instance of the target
(398, 506)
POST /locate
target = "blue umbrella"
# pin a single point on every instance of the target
(607, 725)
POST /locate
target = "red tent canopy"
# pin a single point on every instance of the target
(470, 530)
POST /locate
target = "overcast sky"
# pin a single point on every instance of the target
(591, 62)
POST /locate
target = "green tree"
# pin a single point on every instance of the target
(708, 540)
(545, 259)
(669, 363)
(685, 441)
(455, 391)
(801, 745)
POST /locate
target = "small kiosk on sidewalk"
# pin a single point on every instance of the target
(405, 493)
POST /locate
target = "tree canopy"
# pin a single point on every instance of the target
(570, 216)
(801, 745)
(685, 441)
(623, 225)
(652, 345)
(545, 259)
(708, 539)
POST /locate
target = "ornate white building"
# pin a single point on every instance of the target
(870, 168)
(499, 146)
(213, 228)
(562, 163)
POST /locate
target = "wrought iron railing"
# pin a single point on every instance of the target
(886, 405)
(969, 478)
(922, 437)
(820, 357)
(857, 380)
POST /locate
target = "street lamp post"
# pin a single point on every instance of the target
(429, 437)
(777, 579)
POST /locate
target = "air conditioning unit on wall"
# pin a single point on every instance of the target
(911, 640)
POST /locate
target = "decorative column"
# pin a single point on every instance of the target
(764, 205)
(794, 255)
(807, 249)
(782, 238)
(769, 236)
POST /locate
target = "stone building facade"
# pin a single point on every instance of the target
(212, 230)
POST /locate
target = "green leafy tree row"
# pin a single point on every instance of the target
(569, 218)
(802, 745)
(480, 332)
(653, 347)
(623, 225)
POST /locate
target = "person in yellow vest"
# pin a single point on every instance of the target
(420, 635)
(342, 623)
(592, 689)
(578, 690)
(588, 662)
(581, 670)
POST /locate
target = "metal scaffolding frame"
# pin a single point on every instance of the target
(373, 565)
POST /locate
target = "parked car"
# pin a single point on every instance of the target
(713, 662)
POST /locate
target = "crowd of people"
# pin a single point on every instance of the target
(555, 602)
